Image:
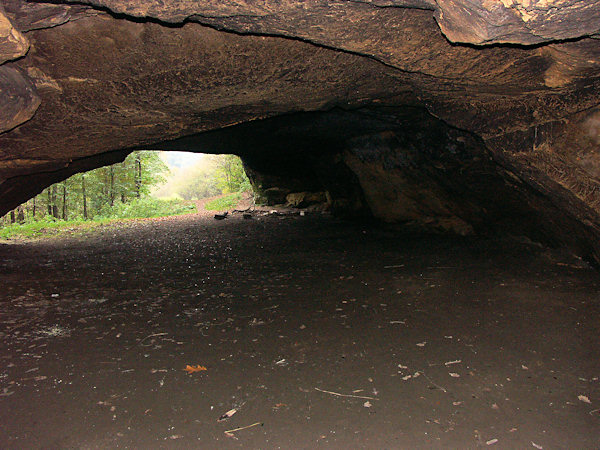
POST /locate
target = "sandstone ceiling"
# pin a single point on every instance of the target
(323, 94)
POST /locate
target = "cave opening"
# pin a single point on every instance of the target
(419, 269)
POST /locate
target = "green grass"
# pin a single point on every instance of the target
(224, 203)
(137, 209)
(48, 227)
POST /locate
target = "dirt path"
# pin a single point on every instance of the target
(326, 335)
(246, 202)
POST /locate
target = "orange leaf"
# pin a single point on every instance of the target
(192, 369)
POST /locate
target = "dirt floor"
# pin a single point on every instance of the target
(315, 333)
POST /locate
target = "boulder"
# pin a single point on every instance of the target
(305, 199)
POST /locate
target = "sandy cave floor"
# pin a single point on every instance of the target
(320, 333)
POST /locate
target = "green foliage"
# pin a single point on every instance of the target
(86, 195)
(230, 174)
(211, 176)
(149, 207)
(47, 226)
(123, 191)
(226, 202)
(198, 184)
(137, 208)
(133, 178)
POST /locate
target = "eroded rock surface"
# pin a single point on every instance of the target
(407, 110)
(12, 43)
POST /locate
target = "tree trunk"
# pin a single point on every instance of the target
(12, 216)
(33, 210)
(85, 213)
(20, 214)
(138, 176)
(112, 186)
(54, 205)
(49, 202)
(64, 205)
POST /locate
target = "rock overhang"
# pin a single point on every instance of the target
(520, 78)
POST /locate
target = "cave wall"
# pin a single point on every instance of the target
(349, 86)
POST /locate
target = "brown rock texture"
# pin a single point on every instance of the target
(19, 99)
(324, 96)
(13, 44)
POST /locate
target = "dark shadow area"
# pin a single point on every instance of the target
(320, 332)
(401, 165)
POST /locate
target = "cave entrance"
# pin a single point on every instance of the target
(145, 184)
(397, 165)
(292, 329)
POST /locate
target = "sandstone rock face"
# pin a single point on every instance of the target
(406, 110)
(12, 43)
(19, 99)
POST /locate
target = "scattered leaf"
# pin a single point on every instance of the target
(491, 441)
(584, 398)
(367, 404)
(537, 445)
(421, 344)
(192, 369)
(454, 375)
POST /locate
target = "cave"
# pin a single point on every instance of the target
(472, 122)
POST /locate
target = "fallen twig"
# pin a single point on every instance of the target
(242, 428)
(346, 395)
(270, 307)
(152, 335)
(433, 382)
